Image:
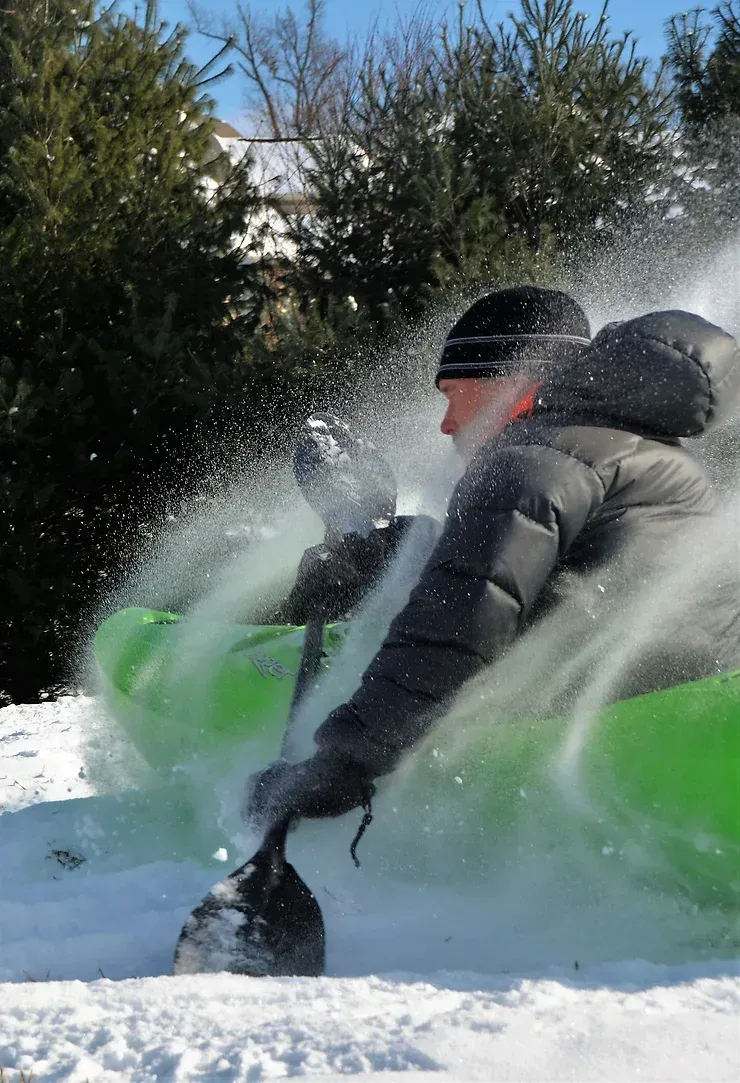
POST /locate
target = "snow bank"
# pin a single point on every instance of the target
(615, 1022)
(629, 1022)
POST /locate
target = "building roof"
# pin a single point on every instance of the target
(226, 131)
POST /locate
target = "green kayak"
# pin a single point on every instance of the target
(652, 781)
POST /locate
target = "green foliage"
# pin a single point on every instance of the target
(704, 58)
(118, 337)
(478, 154)
(704, 54)
(566, 124)
(361, 239)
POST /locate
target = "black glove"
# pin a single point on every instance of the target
(318, 787)
(332, 580)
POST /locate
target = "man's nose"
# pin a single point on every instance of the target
(448, 426)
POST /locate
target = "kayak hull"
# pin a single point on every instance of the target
(652, 783)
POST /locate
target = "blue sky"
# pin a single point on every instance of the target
(645, 18)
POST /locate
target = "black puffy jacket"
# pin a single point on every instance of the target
(593, 494)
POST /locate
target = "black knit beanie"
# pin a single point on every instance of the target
(506, 331)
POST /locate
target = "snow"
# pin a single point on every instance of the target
(275, 170)
(219, 1027)
(84, 991)
(41, 753)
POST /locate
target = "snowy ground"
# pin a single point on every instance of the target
(41, 755)
(61, 929)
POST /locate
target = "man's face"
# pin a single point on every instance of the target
(479, 409)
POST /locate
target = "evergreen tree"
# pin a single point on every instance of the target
(704, 57)
(364, 237)
(478, 154)
(704, 54)
(124, 303)
(562, 119)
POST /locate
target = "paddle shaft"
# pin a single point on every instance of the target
(313, 645)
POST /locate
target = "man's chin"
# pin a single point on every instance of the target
(470, 440)
(459, 443)
(466, 444)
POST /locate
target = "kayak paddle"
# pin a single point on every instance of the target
(263, 919)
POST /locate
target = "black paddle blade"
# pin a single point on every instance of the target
(262, 921)
(343, 477)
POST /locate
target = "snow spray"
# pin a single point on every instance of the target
(447, 878)
(476, 877)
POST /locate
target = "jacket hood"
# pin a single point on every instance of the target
(670, 374)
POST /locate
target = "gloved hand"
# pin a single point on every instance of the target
(331, 580)
(318, 787)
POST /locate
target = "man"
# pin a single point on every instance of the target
(487, 386)
(589, 482)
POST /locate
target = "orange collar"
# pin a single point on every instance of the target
(524, 409)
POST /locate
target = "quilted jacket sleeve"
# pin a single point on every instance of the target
(513, 516)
